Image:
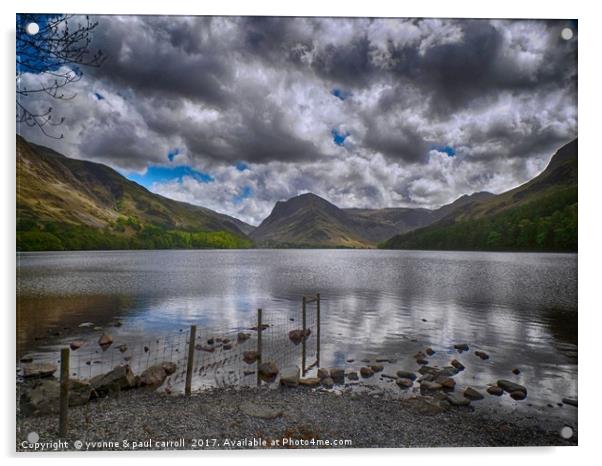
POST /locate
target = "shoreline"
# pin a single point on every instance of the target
(227, 418)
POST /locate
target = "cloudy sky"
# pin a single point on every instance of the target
(237, 113)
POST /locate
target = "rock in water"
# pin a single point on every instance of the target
(120, 378)
(38, 369)
(338, 375)
(510, 387)
(352, 375)
(461, 347)
(495, 390)
(250, 356)
(481, 354)
(473, 394)
(570, 401)
(447, 382)
(516, 371)
(404, 383)
(297, 336)
(366, 372)
(457, 364)
(242, 337)
(105, 341)
(267, 371)
(457, 400)
(406, 375)
(323, 373)
(77, 344)
(377, 367)
(518, 395)
(429, 351)
(290, 376)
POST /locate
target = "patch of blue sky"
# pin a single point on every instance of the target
(241, 166)
(173, 153)
(449, 150)
(158, 174)
(340, 93)
(244, 193)
(339, 137)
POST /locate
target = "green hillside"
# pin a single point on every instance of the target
(68, 204)
(540, 215)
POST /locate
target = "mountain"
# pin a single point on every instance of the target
(64, 203)
(311, 221)
(540, 215)
(308, 221)
(377, 225)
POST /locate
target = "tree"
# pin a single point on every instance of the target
(54, 54)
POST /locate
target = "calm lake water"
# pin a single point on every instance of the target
(519, 308)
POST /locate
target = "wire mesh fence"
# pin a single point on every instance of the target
(214, 356)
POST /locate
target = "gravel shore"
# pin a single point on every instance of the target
(264, 418)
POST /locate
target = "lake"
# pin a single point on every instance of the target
(520, 308)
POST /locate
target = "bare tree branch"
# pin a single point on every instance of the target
(54, 55)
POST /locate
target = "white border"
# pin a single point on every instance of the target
(590, 211)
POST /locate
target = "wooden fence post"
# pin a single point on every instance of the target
(318, 329)
(259, 343)
(64, 394)
(190, 361)
(304, 336)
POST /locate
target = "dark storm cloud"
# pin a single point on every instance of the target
(161, 56)
(501, 95)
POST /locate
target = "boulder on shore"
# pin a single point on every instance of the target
(242, 337)
(267, 371)
(309, 382)
(406, 375)
(38, 369)
(323, 373)
(327, 382)
(289, 376)
(352, 375)
(42, 397)
(429, 385)
(404, 383)
(366, 372)
(457, 400)
(473, 394)
(153, 376)
(120, 378)
(337, 375)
